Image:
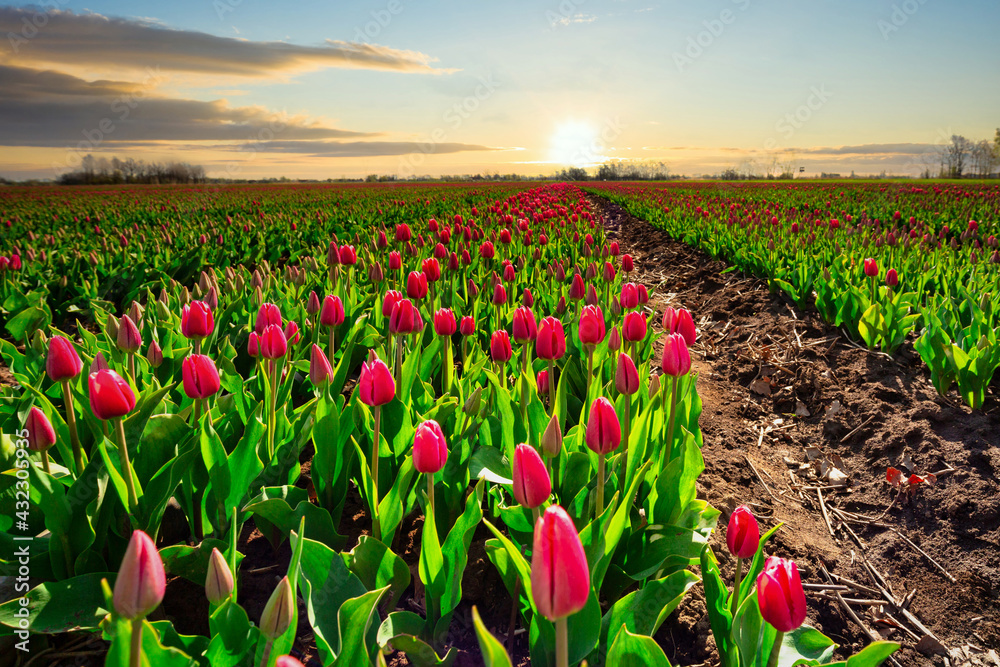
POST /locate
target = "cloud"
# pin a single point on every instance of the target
(902, 149)
(66, 38)
(361, 148)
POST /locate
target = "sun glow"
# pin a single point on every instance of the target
(576, 143)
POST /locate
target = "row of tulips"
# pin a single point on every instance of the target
(579, 453)
(883, 261)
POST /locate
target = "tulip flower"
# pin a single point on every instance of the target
(430, 453)
(524, 328)
(628, 266)
(781, 599)
(416, 285)
(630, 296)
(273, 343)
(550, 344)
(552, 439)
(532, 485)
(111, 397)
(603, 436)
(542, 382)
(891, 278)
(634, 328)
(742, 538)
(62, 365)
(41, 435)
(444, 322)
(320, 370)
(445, 327)
(141, 581)
(292, 333)
(277, 615)
(287, 661)
(219, 584)
(871, 267)
(267, 314)
(197, 323)
(679, 321)
(501, 352)
(313, 305)
(591, 333)
(376, 387)
(154, 354)
(201, 379)
(560, 576)
(626, 375)
(253, 345)
(576, 289)
(676, 363)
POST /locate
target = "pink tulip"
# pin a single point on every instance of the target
(141, 580)
(416, 285)
(500, 349)
(320, 370)
(604, 432)
(634, 327)
(676, 358)
(376, 386)
(332, 312)
(591, 325)
(467, 326)
(267, 315)
(560, 576)
(626, 375)
(679, 321)
(404, 318)
(41, 435)
(110, 395)
(273, 344)
(532, 485)
(129, 339)
(630, 296)
(430, 449)
(444, 322)
(253, 345)
(524, 327)
(550, 342)
(197, 321)
(62, 363)
(743, 533)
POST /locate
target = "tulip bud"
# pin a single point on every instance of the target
(99, 363)
(267, 315)
(287, 661)
(277, 615)
(444, 322)
(416, 285)
(313, 305)
(542, 381)
(871, 267)
(141, 580)
(253, 345)
(552, 438)
(676, 358)
(292, 332)
(500, 349)
(467, 326)
(63, 362)
(273, 344)
(532, 485)
(780, 596)
(604, 432)
(332, 312)
(550, 341)
(376, 386)
(743, 533)
(197, 321)
(592, 329)
(41, 435)
(560, 577)
(430, 449)
(524, 327)
(110, 395)
(891, 278)
(320, 371)
(634, 327)
(389, 301)
(473, 402)
(626, 375)
(128, 337)
(679, 321)
(219, 581)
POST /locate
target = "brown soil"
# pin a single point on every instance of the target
(889, 411)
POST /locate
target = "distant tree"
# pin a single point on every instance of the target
(955, 156)
(983, 158)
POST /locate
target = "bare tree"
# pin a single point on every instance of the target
(955, 156)
(983, 158)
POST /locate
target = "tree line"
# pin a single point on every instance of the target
(113, 171)
(964, 158)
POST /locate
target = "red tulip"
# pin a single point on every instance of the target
(524, 325)
(626, 375)
(253, 345)
(444, 322)
(543, 382)
(376, 386)
(292, 332)
(332, 312)
(273, 343)
(630, 296)
(560, 576)
(609, 272)
(110, 395)
(395, 261)
(679, 321)
(431, 269)
(348, 255)
(500, 348)
(871, 267)
(576, 289)
(201, 378)
(551, 341)
(604, 433)
(532, 485)
(676, 358)
(404, 318)
(780, 596)
(320, 370)
(499, 295)
(141, 580)
(267, 315)
(63, 363)
(41, 435)
(197, 321)
(129, 339)
(392, 297)
(430, 449)
(287, 661)
(634, 326)
(628, 266)
(403, 232)
(614, 340)
(591, 325)
(891, 278)
(643, 295)
(313, 305)
(486, 250)
(416, 285)
(743, 533)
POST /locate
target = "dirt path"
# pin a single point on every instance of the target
(760, 361)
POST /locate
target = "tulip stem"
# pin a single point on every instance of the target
(552, 386)
(449, 366)
(131, 368)
(133, 500)
(45, 462)
(135, 655)
(330, 348)
(735, 602)
(670, 421)
(625, 437)
(376, 526)
(430, 493)
(524, 388)
(271, 426)
(197, 411)
(772, 661)
(266, 655)
(71, 422)
(600, 486)
(399, 358)
(590, 372)
(562, 643)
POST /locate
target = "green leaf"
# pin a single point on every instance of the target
(355, 619)
(25, 323)
(584, 630)
(233, 635)
(872, 655)
(805, 644)
(629, 650)
(717, 602)
(61, 606)
(643, 611)
(493, 651)
(377, 566)
(401, 630)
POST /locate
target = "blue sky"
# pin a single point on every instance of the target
(449, 87)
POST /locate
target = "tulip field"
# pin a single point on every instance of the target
(382, 379)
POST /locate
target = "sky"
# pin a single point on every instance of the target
(321, 89)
